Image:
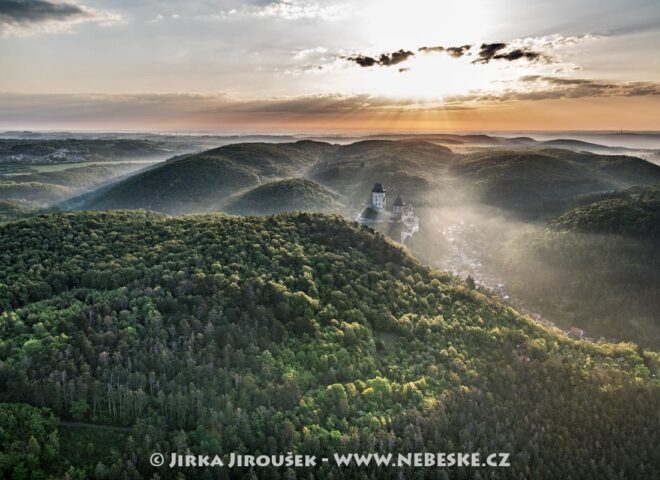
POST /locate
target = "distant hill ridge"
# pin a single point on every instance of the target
(529, 182)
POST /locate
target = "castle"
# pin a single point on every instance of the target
(400, 215)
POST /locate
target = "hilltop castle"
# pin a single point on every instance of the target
(401, 215)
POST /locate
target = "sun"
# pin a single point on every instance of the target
(390, 25)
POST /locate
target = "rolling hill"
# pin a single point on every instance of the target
(199, 183)
(303, 333)
(541, 181)
(285, 195)
(635, 211)
(410, 168)
(42, 189)
(528, 182)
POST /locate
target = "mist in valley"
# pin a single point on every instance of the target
(603, 284)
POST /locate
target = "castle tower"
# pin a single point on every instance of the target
(397, 206)
(378, 200)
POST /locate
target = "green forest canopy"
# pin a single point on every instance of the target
(300, 333)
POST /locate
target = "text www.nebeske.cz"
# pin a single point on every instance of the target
(426, 459)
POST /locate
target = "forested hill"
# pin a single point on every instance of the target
(200, 182)
(300, 333)
(635, 211)
(596, 265)
(526, 182)
(535, 182)
(296, 194)
(205, 182)
(412, 168)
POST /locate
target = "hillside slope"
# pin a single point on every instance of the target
(410, 168)
(285, 196)
(300, 333)
(596, 265)
(43, 189)
(528, 182)
(198, 183)
(635, 211)
(536, 182)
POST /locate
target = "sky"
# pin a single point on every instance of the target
(329, 65)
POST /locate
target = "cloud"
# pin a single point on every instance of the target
(541, 87)
(384, 59)
(551, 42)
(431, 49)
(517, 54)
(531, 49)
(493, 51)
(455, 52)
(60, 110)
(309, 52)
(26, 17)
(395, 58)
(362, 60)
(487, 53)
(458, 52)
(563, 87)
(290, 10)
(294, 10)
(488, 50)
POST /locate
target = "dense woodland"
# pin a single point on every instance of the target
(537, 182)
(300, 333)
(296, 194)
(595, 266)
(632, 212)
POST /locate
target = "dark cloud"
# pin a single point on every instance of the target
(493, 51)
(35, 11)
(395, 58)
(490, 49)
(431, 49)
(363, 61)
(455, 52)
(458, 52)
(25, 17)
(517, 54)
(385, 59)
(487, 53)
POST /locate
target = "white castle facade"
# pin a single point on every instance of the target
(376, 212)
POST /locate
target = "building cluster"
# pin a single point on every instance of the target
(377, 212)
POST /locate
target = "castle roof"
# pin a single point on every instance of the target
(398, 202)
(378, 188)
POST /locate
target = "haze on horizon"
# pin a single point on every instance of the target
(330, 65)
